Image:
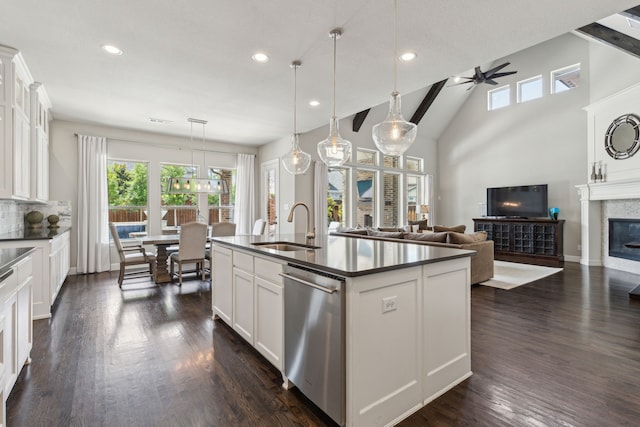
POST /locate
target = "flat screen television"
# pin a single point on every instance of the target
(525, 201)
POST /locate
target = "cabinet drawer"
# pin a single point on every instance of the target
(59, 242)
(243, 261)
(24, 269)
(268, 270)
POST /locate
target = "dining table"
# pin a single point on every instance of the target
(161, 242)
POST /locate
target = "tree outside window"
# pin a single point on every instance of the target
(127, 188)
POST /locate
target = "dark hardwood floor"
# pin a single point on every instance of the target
(562, 351)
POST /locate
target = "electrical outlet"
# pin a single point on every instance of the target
(389, 304)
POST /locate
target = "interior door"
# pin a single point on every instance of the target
(269, 195)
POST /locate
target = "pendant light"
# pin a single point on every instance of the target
(296, 161)
(334, 151)
(193, 184)
(394, 135)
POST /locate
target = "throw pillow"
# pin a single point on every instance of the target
(421, 223)
(460, 238)
(388, 235)
(456, 229)
(427, 237)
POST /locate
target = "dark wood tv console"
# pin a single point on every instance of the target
(530, 241)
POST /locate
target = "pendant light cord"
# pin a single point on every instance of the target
(395, 43)
(295, 95)
(335, 38)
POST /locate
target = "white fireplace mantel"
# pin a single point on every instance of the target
(591, 196)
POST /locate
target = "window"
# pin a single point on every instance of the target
(366, 197)
(391, 191)
(221, 206)
(336, 195)
(176, 209)
(414, 193)
(127, 187)
(499, 98)
(414, 164)
(565, 79)
(391, 162)
(366, 157)
(530, 89)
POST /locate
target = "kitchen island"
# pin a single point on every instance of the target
(402, 312)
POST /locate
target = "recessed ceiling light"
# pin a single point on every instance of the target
(260, 57)
(113, 50)
(314, 102)
(408, 56)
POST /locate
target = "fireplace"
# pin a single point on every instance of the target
(621, 232)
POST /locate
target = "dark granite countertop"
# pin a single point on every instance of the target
(36, 234)
(346, 256)
(8, 257)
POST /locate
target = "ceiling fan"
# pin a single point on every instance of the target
(487, 76)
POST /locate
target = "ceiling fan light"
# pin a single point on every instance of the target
(394, 135)
(334, 151)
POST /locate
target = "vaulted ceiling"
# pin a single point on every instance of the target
(193, 59)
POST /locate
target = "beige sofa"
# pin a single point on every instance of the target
(481, 263)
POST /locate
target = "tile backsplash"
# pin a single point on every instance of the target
(12, 213)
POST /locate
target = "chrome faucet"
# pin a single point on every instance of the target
(310, 233)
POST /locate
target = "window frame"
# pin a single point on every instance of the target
(490, 93)
(554, 74)
(521, 83)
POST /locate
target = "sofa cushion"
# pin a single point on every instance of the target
(360, 231)
(421, 223)
(457, 228)
(389, 229)
(461, 238)
(386, 234)
(427, 237)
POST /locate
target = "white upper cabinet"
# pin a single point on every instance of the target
(24, 131)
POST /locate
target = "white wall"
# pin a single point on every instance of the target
(126, 144)
(543, 141)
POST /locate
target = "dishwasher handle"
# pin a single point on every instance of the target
(307, 283)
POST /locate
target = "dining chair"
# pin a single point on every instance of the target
(132, 254)
(191, 248)
(220, 229)
(258, 227)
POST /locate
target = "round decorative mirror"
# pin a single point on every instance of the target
(622, 139)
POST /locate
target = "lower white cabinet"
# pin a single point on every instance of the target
(59, 264)
(17, 328)
(247, 294)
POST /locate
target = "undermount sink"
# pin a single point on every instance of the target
(285, 246)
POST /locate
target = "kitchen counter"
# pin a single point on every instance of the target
(8, 257)
(393, 336)
(42, 233)
(346, 256)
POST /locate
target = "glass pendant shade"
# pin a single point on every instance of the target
(334, 151)
(394, 135)
(296, 161)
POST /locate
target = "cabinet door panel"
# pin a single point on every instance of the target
(222, 284)
(243, 304)
(269, 328)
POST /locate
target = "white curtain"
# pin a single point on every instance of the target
(93, 205)
(320, 177)
(244, 213)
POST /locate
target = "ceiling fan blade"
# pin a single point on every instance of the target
(506, 73)
(491, 82)
(461, 83)
(492, 71)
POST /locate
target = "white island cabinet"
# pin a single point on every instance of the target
(406, 310)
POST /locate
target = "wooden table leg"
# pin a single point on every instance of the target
(162, 273)
(635, 293)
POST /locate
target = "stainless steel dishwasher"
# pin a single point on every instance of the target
(314, 337)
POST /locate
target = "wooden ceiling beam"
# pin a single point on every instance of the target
(358, 119)
(633, 13)
(427, 101)
(612, 38)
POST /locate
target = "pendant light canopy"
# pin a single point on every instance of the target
(334, 151)
(193, 184)
(296, 161)
(394, 135)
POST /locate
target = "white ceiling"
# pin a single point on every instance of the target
(193, 58)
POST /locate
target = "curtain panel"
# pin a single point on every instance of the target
(93, 205)
(244, 213)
